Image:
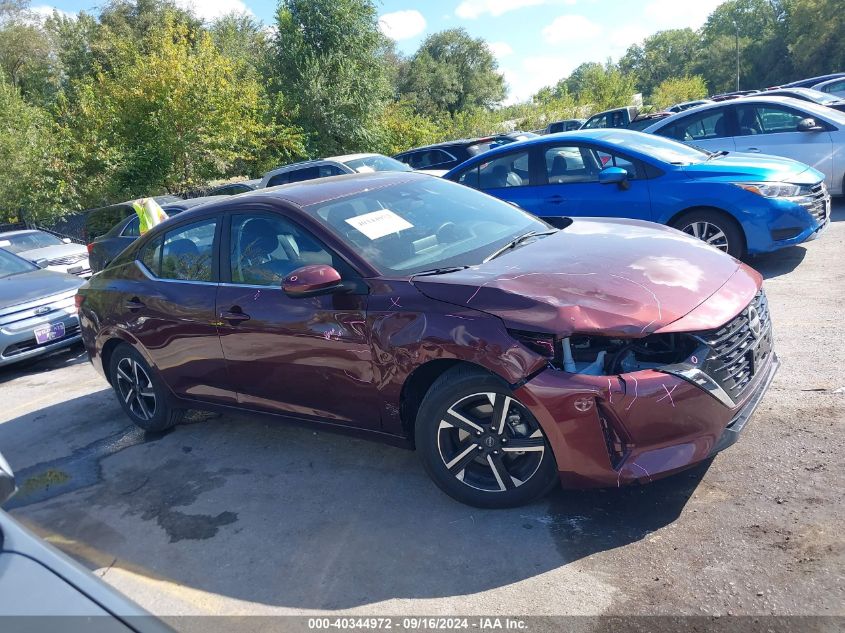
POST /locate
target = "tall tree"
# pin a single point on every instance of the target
(24, 51)
(177, 115)
(328, 62)
(814, 34)
(451, 72)
(35, 185)
(664, 55)
(758, 27)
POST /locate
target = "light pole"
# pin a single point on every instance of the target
(736, 27)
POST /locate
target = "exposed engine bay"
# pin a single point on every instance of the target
(600, 355)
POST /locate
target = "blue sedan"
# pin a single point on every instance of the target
(740, 203)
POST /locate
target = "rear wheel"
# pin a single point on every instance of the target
(715, 228)
(480, 444)
(141, 394)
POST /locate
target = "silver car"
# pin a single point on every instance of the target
(37, 309)
(48, 251)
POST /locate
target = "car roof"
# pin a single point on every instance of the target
(576, 136)
(830, 81)
(444, 144)
(308, 192)
(810, 106)
(20, 232)
(346, 157)
(190, 203)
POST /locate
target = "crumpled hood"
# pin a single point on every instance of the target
(741, 167)
(614, 277)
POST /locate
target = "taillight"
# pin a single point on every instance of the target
(90, 247)
(79, 300)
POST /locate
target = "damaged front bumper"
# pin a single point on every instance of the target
(635, 427)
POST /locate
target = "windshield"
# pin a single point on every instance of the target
(13, 265)
(663, 149)
(28, 241)
(423, 224)
(376, 163)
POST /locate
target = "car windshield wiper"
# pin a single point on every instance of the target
(519, 239)
(439, 271)
(718, 154)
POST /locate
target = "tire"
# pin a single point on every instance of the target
(140, 392)
(468, 447)
(714, 227)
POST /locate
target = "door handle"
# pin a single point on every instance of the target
(134, 304)
(753, 149)
(235, 315)
(556, 199)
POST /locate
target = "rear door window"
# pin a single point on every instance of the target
(698, 127)
(185, 253)
(510, 170)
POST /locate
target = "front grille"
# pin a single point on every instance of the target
(34, 313)
(736, 352)
(66, 260)
(22, 347)
(817, 202)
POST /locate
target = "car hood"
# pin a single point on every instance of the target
(618, 277)
(51, 252)
(740, 167)
(34, 285)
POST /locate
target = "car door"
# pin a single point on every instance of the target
(304, 357)
(711, 129)
(172, 311)
(570, 173)
(773, 129)
(505, 176)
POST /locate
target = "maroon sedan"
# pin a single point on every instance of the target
(510, 353)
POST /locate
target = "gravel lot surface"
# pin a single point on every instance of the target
(232, 515)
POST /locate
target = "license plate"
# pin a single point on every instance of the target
(47, 333)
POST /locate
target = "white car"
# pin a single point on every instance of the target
(333, 166)
(781, 126)
(48, 251)
(832, 86)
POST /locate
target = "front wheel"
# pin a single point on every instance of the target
(140, 392)
(716, 229)
(481, 445)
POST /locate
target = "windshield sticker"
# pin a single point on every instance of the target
(379, 223)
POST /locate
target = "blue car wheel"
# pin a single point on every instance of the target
(717, 229)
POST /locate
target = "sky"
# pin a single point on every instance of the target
(536, 42)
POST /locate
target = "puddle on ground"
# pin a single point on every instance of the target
(78, 470)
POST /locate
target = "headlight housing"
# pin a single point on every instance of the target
(771, 189)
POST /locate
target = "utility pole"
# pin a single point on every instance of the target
(736, 27)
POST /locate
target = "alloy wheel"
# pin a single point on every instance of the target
(490, 441)
(136, 388)
(709, 233)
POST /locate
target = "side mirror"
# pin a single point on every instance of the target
(7, 481)
(66, 240)
(313, 280)
(613, 175)
(809, 125)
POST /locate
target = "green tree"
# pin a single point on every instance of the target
(605, 87)
(328, 62)
(35, 185)
(764, 58)
(813, 35)
(672, 91)
(25, 51)
(452, 72)
(664, 55)
(176, 116)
